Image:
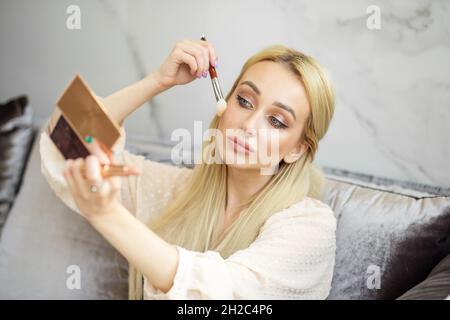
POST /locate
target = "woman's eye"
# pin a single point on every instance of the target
(277, 123)
(274, 122)
(244, 103)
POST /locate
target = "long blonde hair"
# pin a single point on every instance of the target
(193, 218)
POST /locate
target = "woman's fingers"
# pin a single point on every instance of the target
(92, 168)
(195, 51)
(97, 148)
(68, 175)
(211, 52)
(101, 149)
(203, 52)
(78, 177)
(205, 59)
(185, 57)
(110, 187)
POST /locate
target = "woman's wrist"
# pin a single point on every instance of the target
(157, 83)
(98, 219)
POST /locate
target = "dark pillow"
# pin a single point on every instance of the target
(435, 286)
(389, 234)
(16, 136)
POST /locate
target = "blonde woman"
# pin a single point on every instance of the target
(220, 230)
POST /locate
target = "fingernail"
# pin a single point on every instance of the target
(205, 74)
(216, 63)
(198, 77)
(88, 139)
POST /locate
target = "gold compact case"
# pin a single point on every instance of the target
(80, 114)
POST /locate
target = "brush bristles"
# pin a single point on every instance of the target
(221, 106)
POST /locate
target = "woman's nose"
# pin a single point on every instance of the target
(250, 124)
(250, 132)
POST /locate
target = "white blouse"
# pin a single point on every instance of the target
(292, 258)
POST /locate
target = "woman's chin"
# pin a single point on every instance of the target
(240, 161)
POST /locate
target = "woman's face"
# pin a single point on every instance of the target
(268, 107)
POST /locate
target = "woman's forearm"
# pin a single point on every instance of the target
(125, 101)
(156, 259)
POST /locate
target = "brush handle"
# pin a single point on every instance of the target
(214, 79)
(110, 170)
(216, 87)
(221, 103)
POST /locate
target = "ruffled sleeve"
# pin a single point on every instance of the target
(292, 258)
(142, 195)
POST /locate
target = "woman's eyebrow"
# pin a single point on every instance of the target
(276, 103)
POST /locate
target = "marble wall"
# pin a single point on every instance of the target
(392, 115)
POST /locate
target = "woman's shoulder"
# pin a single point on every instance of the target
(312, 203)
(308, 207)
(307, 212)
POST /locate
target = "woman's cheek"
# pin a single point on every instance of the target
(224, 121)
(229, 115)
(274, 145)
(266, 145)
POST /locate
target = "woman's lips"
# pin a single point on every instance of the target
(242, 144)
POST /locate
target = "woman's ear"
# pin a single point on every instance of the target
(296, 153)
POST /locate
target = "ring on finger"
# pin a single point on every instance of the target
(95, 188)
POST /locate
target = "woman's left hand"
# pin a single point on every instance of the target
(94, 195)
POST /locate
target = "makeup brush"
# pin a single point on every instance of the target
(221, 103)
(110, 170)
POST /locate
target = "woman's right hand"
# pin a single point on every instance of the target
(188, 60)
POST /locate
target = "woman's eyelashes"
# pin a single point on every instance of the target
(274, 121)
(243, 103)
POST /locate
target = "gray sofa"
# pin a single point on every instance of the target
(390, 236)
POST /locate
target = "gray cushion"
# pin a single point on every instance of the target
(392, 232)
(42, 238)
